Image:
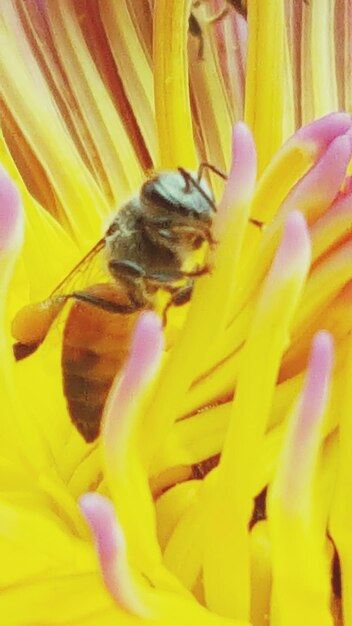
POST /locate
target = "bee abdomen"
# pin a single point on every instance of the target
(87, 379)
(95, 347)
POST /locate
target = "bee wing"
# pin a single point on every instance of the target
(88, 270)
(32, 323)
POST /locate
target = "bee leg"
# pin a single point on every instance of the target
(204, 165)
(22, 350)
(106, 305)
(180, 297)
(163, 279)
(126, 270)
(201, 271)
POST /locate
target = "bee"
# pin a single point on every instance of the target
(143, 250)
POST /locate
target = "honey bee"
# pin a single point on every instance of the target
(144, 250)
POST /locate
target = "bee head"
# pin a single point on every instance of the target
(179, 193)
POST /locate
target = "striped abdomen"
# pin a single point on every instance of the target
(95, 347)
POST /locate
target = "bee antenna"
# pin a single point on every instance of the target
(204, 165)
(188, 180)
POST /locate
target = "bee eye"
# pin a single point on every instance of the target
(155, 195)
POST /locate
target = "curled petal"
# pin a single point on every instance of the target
(312, 195)
(315, 192)
(321, 132)
(294, 159)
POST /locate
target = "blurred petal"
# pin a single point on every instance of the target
(173, 111)
(265, 98)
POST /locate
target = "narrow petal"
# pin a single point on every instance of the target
(333, 225)
(204, 325)
(94, 103)
(340, 521)
(123, 437)
(111, 548)
(318, 71)
(133, 63)
(301, 594)
(261, 577)
(172, 100)
(39, 132)
(232, 502)
(265, 98)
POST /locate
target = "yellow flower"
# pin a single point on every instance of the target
(94, 96)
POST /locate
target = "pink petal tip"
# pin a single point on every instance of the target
(295, 244)
(100, 515)
(10, 211)
(243, 171)
(142, 365)
(324, 130)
